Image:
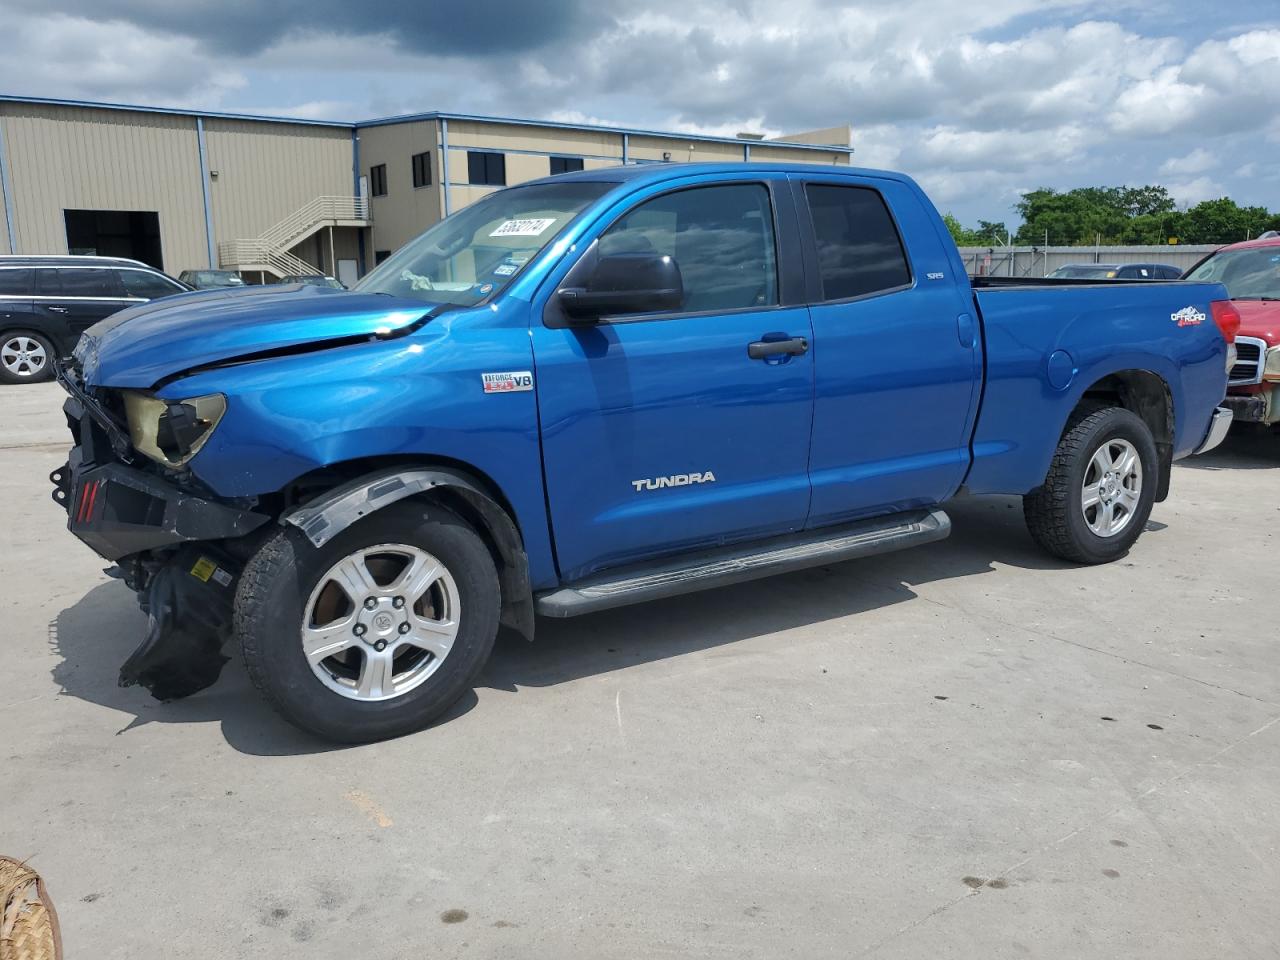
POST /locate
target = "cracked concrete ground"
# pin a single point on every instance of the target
(966, 750)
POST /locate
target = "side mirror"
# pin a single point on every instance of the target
(625, 283)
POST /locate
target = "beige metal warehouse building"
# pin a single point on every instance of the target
(274, 196)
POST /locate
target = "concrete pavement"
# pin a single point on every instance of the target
(959, 751)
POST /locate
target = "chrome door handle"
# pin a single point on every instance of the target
(58, 309)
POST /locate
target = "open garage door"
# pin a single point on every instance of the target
(115, 233)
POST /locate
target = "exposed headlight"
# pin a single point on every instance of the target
(1271, 371)
(1232, 355)
(171, 432)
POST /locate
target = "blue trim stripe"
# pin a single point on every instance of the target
(140, 108)
(6, 187)
(418, 117)
(204, 189)
(444, 161)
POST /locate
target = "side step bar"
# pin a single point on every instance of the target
(725, 565)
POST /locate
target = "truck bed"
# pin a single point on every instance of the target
(1049, 342)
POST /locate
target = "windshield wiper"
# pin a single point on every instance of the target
(1255, 298)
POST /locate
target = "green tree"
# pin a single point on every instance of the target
(1224, 221)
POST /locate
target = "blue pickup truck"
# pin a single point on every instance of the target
(593, 390)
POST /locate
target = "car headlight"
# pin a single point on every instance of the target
(171, 432)
(1271, 370)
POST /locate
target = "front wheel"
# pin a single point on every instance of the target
(375, 634)
(1098, 493)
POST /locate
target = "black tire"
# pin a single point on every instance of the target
(45, 372)
(1053, 511)
(278, 581)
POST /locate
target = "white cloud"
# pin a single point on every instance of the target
(78, 58)
(1197, 161)
(973, 100)
(1191, 192)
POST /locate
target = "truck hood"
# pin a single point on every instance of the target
(142, 345)
(1259, 318)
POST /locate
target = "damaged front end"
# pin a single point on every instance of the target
(174, 544)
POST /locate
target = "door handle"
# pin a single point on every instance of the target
(58, 309)
(760, 349)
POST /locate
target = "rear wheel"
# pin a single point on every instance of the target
(375, 634)
(25, 357)
(1100, 488)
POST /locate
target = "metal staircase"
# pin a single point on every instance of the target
(270, 252)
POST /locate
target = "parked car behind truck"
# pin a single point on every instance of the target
(595, 390)
(1251, 273)
(46, 302)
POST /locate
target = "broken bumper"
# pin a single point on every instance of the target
(185, 581)
(119, 510)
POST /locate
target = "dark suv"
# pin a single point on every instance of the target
(47, 302)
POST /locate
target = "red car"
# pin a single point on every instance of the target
(1251, 273)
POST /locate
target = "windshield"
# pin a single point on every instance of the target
(219, 278)
(1247, 274)
(1084, 272)
(473, 254)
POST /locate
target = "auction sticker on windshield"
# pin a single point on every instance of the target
(534, 227)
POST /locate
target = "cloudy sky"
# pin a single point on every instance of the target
(978, 100)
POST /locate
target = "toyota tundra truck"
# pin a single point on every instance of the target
(599, 389)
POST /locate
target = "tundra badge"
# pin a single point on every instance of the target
(675, 480)
(507, 382)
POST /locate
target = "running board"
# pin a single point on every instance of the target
(716, 568)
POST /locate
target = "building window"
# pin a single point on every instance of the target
(378, 180)
(487, 169)
(380, 255)
(422, 170)
(565, 165)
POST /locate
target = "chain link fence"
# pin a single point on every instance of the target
(1001, 261)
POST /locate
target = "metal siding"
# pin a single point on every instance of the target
(76, 158)
(549, 140)
(682, 150)
(773, 152)
(268, 171)
(405, 211)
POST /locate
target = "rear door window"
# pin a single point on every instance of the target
(15, 283)
(81, 282)
(859, 250)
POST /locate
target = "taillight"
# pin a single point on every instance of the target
(1227, 317)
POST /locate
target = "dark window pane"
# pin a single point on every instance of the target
(486, 169)
(378, 180)
(720, 237)
(422, 170)
(380, 255)
(16, 283)
(90, 283)
(565, 165)
(148, 286)
(859, 251)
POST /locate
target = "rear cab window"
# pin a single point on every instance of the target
(860, 252)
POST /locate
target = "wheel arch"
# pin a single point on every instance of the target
(371, 485)
(1147, 395)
